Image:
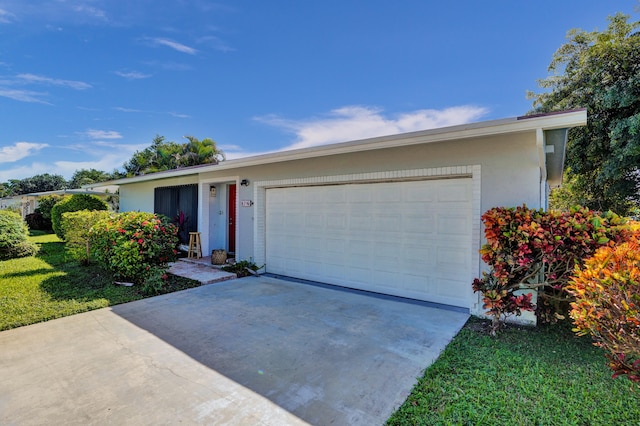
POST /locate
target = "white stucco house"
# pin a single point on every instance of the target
(398, 214)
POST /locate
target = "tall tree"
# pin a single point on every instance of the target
(39, 183)
(600, 71)
(88, 176)
(197, 152)
(166, 155)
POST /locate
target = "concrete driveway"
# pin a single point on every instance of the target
(250, 351)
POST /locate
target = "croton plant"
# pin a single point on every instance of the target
(533, 249)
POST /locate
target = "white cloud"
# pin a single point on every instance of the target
(216, 43)
(101, 134)
(174, 45)
(19, 150)
(105, 156)
(32, 78)
(178, 115)
(92, 12)
(132, 75)
(23, 95)
(6, 17)
(361, 122)
(232, 152)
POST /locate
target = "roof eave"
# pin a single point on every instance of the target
(474, 130)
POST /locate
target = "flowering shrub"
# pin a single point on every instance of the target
(607, 305)
(536, 249)
(135, 247)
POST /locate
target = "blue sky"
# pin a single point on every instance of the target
(85, 83)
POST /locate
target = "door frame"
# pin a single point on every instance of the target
(204, 224)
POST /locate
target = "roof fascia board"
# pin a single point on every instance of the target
(465, 131)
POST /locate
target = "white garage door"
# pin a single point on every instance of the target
(409, 239)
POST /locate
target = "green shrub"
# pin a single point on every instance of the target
(76, 227)
(37, 222)
(135, 247)
(13, 236)
(607, 305)
(74, 203)
(46, 203)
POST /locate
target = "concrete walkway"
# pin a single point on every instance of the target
(200, 271)
(252, 351)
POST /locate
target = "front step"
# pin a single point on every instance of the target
(199, 271)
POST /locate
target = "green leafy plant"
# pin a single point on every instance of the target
(74, 203)
(135, 247)
(13, 236)
(529, 248)
(243, 268)
(37, 222)
(607, 305)
(76, 227)
(46, 203)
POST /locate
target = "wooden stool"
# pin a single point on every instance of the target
(195, 247)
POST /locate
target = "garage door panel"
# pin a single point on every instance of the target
(411, 239)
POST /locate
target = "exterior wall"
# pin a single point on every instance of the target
(505, 168)
(510, 172)
(139, 196)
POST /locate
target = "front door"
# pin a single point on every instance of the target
(232, 219)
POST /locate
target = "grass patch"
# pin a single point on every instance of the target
(52, 285)
(522, 377)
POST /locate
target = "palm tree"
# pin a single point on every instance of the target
(197, 152)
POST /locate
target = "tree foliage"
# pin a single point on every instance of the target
(37, 183)
(600, 71)
(166, 155)
(90, 176)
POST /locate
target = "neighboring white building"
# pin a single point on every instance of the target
(27, 203)
(397, 214)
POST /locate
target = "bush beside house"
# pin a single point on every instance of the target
(13, 236)
(607, 305)
(534, 249)
(135, 247)
(581, 263)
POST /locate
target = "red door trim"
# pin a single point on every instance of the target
(231, 218)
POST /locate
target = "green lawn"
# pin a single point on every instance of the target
(544, 376)
(51, 285)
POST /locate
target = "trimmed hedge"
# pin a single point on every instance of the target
(13, 237)
(76, 227)
(74, 203)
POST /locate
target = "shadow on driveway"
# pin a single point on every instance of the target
(249, 351)
(326, 355)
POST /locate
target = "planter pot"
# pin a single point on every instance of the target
(218, 257)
